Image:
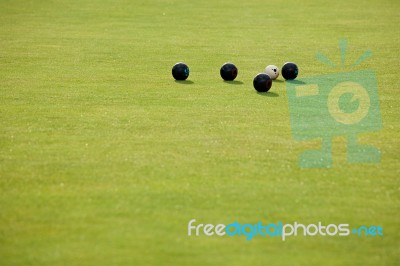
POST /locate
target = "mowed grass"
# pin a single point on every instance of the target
(104, 158)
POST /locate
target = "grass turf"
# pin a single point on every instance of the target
(104, 158)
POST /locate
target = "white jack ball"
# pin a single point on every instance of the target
(272, 71)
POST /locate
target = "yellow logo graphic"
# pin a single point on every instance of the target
(359, 94)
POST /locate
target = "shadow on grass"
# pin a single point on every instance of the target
(187, 82)
(278, 81)
(296, 81)
(268, 94)
(233, 82)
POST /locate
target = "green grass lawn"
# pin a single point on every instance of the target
(104, 158)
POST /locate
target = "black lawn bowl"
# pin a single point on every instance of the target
(262, 82)
(290, 71)
(180, 71)
(229, 71)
